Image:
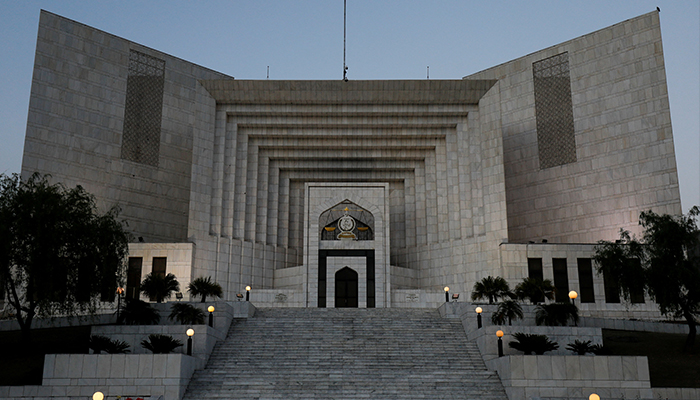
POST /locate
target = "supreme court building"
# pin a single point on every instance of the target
(362, 193)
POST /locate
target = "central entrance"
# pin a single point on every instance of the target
(346, 287)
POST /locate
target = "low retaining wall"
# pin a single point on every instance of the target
(570, 377)
(126, 375)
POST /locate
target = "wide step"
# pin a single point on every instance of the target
(311, 353)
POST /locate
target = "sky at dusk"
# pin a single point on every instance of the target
(385, 40)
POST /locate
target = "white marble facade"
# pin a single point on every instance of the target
(450, 169)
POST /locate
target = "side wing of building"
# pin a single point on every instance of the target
(587, 139)
(119, 119)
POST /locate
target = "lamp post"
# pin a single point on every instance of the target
(120, 290)
(447, 294)
(478, 310)
(190, 333)
(593, 396)
(211, 316)
(247, 293)
(573, 295)
(98, 396)
(500, 343)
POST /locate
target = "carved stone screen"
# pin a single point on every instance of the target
(143, 109)
(554, 112)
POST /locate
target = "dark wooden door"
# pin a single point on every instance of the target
(346, 288)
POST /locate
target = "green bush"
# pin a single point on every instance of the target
(204, 287)
(160, 344)
(507, 311)
(532, 343)
(99, 343)
(601, 350)
(535, 290)
(491, 288)
(580, 347)
(158, 287)
(186, 314)
(556, 314)
(137, 312)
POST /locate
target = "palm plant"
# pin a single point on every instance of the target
(186, 314)
(507, 310)
(204, 287)
(535, 290)
(158, 287)
(531, 343)
(137, 312)
(580, 347)
(160, 344)
(491, 288)
(556, 314)
(100, 343)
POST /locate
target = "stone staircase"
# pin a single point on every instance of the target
(319, 353)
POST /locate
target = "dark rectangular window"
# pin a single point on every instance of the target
(159, 264)
(636, 294)
(534, 268)
(561, 279)
(133, 278)
(612, 289)
(585, 279)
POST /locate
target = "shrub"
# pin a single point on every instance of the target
(580, 347)
(158, 287)
(601, 350)
(535, 290)
(491, 288)
(186, 314)
(507, 311)
(160, 344)
(531, 343)
(556, 314)
(102, 343)
(137, 312)
(204, 287)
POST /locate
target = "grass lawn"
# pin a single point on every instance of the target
(669, 366)
(20, 365)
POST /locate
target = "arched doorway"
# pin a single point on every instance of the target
(346, 288)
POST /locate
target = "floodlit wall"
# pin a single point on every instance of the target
(587, 139)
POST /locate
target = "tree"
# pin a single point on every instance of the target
(58, 255)
(507, 311)
(664, 264)
(556, 314)
(138, 312)
(491, 288)
(186, 314)
(204, 287)
(535, 290)
(530, 343)
(159, 287)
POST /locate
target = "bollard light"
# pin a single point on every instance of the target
(499, 333)
(478, 310)
(247, 293)
(98, 396)
(447, 294)
(211, 316)
(190, 333)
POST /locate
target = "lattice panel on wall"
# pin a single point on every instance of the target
(554, 111)
(144, 108)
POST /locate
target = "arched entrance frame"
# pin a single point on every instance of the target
(373, 197)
